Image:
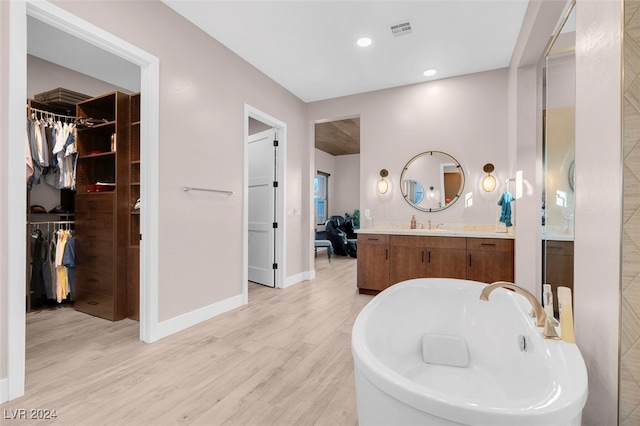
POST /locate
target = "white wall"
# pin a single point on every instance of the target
(465, 117)
(598, 220)
(346, 184)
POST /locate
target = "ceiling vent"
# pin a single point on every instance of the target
(400, 28)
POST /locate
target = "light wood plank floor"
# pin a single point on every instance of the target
(284, 359)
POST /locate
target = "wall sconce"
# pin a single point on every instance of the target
(383, 186)
(488, 182)
(433, 193)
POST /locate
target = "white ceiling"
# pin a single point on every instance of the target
(309, 47)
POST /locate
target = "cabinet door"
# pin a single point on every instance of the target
(373, 263)
(558, 270)
(407, 263)
(446, 263)
(489, 260)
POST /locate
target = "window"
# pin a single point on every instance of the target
(320, 197)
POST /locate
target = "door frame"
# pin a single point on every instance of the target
(281, 133)
(14, 385)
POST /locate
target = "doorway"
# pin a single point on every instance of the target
(16, 200)
(263, 195)
(254, 122)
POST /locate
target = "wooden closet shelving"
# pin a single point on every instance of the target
(133, 249)
(102, 211)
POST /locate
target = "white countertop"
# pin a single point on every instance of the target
(557, 233)
(445, 230)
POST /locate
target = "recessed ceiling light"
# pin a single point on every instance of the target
(429, 72)
(364, 42)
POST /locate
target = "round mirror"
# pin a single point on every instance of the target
(432, 181)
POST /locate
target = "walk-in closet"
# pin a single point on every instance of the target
(83, 194)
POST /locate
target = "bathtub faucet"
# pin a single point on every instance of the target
(538, 311)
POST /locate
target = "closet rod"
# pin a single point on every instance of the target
(53, 222)
(41, 111)
(189, 188)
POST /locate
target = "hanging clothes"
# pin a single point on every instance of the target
(52, 151)
(69, 261)
(61, 270)
(28, 158)
(37, 287)
(35, 163)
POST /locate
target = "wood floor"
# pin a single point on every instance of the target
(284, 359)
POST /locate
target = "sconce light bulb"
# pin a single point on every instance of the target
(488, 183)
(382, 186)
(433, 193)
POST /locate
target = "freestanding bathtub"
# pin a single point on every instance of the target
(514, 377)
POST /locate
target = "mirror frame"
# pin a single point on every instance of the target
(453, 200)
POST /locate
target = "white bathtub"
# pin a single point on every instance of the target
(544, 385)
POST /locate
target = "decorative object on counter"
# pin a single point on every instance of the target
(488, 182)
(383, 186)
(432, 181)
(566, 314)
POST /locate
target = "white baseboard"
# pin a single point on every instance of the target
(298, 278)
(184, 321)
(4, 390)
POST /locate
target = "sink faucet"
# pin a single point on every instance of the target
(537, 310)
(439, 225)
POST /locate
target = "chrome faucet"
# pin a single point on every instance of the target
(439, 225)
(538, 312)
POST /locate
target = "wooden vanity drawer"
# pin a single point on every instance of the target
(489, 244)
(428, 241)
(561, 248)
(373, 239)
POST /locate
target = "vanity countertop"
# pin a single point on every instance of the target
(557, 233)
(447, 230)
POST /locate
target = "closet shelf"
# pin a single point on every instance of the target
(97, 126)
(101, 154)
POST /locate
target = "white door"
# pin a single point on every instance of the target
(262, 216)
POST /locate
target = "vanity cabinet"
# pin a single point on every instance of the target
(558, 266)
(373, 263)
(384, 260)
(490, 259)
(430, 257)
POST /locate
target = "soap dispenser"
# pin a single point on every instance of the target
(413, 221)
(547, 302)
(547, 299)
